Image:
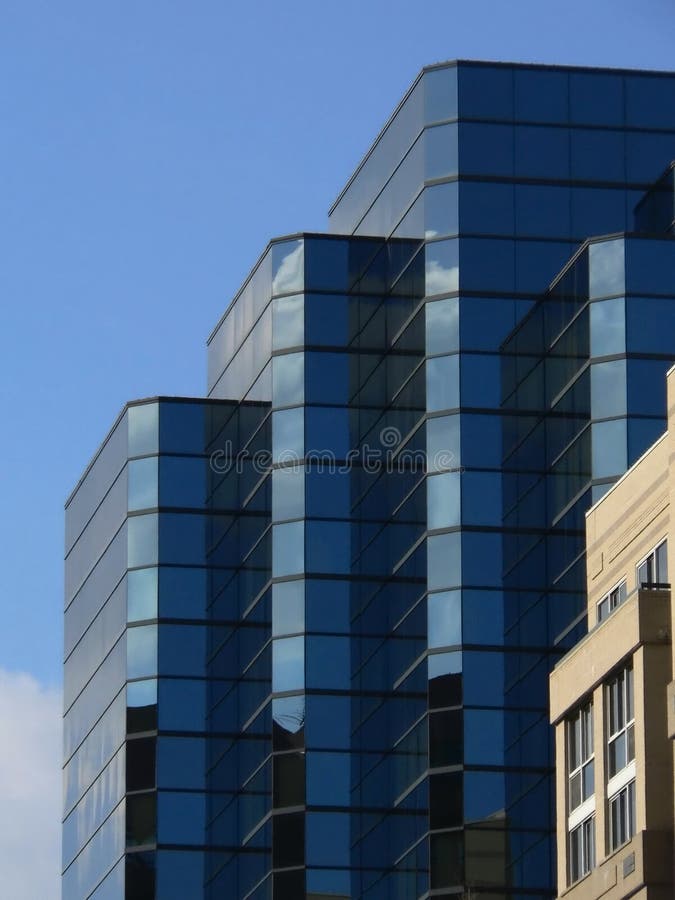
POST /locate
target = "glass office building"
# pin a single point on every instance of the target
(310, 618)
(148, 538)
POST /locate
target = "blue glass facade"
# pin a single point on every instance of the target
(146, 549)
(310, 618)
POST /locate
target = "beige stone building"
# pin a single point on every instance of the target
(613, 698)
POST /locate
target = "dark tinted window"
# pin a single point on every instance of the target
(446, 744)
(289, 779)
(288, 840)
(140, 876)
(141, 764)
(141, 816)
(446, 800)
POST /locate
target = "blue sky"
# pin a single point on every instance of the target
(148, 152)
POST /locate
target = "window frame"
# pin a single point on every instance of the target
(586, 857)
(613, 598)
(655, 578)
(620, 724)
(628, 816)
(585, 761)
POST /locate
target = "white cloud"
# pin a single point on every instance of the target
(441, 279)
(30, 788)
(290, 274)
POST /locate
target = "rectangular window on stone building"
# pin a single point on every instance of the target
(622, 816)
(580, 759)
(652, 572)
(580, 793)
(620, 722)
(619, 703)
(582, 849)
(611, 600)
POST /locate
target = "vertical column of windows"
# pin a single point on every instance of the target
(142, 649)
(580, 793)
(288, 565)
(444, 607)
(620, 724)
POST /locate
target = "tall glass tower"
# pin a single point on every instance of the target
(310, 618)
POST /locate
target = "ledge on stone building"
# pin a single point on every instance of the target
(646, 861)
(644, 618)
